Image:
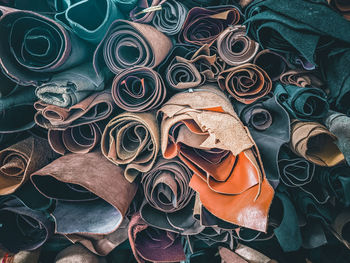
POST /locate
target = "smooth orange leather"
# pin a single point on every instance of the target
(232, 187)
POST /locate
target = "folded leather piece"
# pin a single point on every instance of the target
(33, 47)
(243, 254)
(341, 6)
(339, 125)
(295, 27)
(294, 171)
(145, 10)
(269, 125)
(341, 226)
(170, 18)
(245, 83)
(337, 182)
(304, 104)
(132, 140)
(21, 227)
(96, 107)
(204, 25)
(17, 106)
(273, 63)
(138, 89)
(235, 47)
(90, 28)
(22, 257)
(78, 139)
(128, 44)
(152, 244)
(315, 143)
(78, 254)
(18, 161)
(301, 78)
(203, 130)
(68, 88)
(83, 191)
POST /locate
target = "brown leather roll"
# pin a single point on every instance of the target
(18, 161)
(301, 78)
(235, 47)
(138, 89)
(246, 83)
(132, 140)
(96, 107)
(315, 143)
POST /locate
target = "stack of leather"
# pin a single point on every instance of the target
(174, 131)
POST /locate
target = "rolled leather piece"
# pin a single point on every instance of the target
(301, 78)
(21, 227)
(126, 5)
(138, 89)
(83, 191)
(235, 47)
(132, 140)
(128, 44)
(291, 29)
(216, 157)
(18, 161)
(78, 254)
(269, 125)
(7, 139)
(273, 63)
(243, 254)
(170, 18)
(304, 104)
(17, 106)
(34, 46)
(294, 171)
(7, 86)
(152, 244)
(245, 83)
(145, 10)
(339, 125)
(70, 87)
(342, 6)
(315, 143)
(79, 139)
(204, 25)
(96, 107)
(340, 227)
(90, 28)
(201, 3)
(337, 182)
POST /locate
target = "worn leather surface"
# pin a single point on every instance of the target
(18, 161)
(187, 117)
(243, 254)
(315, 143)
(201, 25)
(269, 126)
(70, 87)
(20, 58)
(78, 254)
(137, 14)
(245, 83)
(138, 89)
(304, 104)
(128, 44)
(132, 140)
(152, 244)
(84, 191)
(96, 107)
(234, 47)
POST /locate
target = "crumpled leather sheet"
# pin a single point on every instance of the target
(132, 140)
(18, 161)
(269, 125)
(20, 58)
(315, 143)
(187, 118)
(138, 89)
(83, 191)
(96, 107)
(78, 139)
(128, 44)
(170, 18)
(70, 87)
(152, 244)
(234, 47)
(204, 25)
